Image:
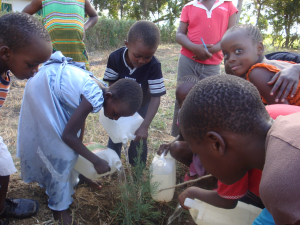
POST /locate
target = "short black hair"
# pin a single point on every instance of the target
(18, 30)
(145, 31)
(128, 91)
(252, 31)
(222, 101)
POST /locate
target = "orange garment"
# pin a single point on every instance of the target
(291, 100)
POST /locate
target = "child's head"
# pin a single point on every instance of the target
(217, 116)
(122, 98)
(142, 41)
(24, 44)
(242, 48)
(184, 85)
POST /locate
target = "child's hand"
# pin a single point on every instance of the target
(187, 193)
(286, 81)
(201, 53)
(101, 166)
(164, 148)
(141, 133)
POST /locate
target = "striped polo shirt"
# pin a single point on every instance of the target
(4, 87)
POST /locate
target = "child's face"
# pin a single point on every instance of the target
(240, 54)
(114, 109)
(138, 54)
(219, 154)
(182, 91)
(24, 62)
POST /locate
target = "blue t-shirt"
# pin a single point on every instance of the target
(149, 76)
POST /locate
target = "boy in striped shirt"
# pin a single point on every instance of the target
(136, 61)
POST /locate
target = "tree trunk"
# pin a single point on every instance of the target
(239, 7)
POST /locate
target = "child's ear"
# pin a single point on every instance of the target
(108, 95)
(126, 43)
(260, 48)
(4, 52)
(216, 142)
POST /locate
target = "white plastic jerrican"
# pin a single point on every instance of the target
(123, 129)
(86, 168)
(206, 214)
(163, 170)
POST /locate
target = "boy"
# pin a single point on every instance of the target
(24, 44)
(136, 61)
(224, 121)
(202, 21)
(64, 20)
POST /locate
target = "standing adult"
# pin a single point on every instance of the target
(64, 20)
(202, 22)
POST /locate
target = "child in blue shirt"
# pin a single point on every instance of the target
(56, 103)
(136, 61)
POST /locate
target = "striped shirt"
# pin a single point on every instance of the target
(149, 76)
(4, 87)
(64, 20)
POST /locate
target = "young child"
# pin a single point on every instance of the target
(56, 102)
(64, 20)
(24, 44)
(247, 188)
(243, 55)
(205, 20)
(178, 148)
(224, 121)
(137, 62)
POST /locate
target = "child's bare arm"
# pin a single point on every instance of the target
(33, 7)
(142, 131)
(93, 16)
(70, 137)
(260, 78)
(209, 196)
(198, 49)
(286, 81)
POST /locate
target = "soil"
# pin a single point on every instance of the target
(90, 206)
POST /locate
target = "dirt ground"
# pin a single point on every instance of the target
(92, 206)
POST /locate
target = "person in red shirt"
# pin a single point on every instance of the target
(202, 22)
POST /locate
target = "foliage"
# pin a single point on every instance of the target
(136, 205)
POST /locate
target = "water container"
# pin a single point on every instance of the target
(206, 214)
(123, 129)
(163, 170)
(86, 168)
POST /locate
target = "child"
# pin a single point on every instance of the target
(205, 20)
(136, 61)
(247, 188)
(243, 54)
(178, 147)
(55, 105)
(224, 121)
(24, 44)
(65, 23)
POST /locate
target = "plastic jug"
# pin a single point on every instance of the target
(206, 214)
(163, 170)
(86, 168)
(123, 129)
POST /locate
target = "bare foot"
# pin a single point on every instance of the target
(92, 183)
(63, 217)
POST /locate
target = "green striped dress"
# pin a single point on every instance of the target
(64, 20)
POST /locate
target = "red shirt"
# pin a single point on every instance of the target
(210, 25)
(252, 179)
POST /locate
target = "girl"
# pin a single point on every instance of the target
(55, 105)
(244, 56)
(178, 148)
